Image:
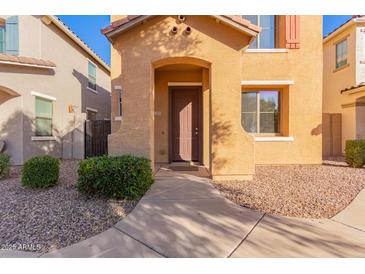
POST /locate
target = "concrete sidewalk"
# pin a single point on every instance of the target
(183, 215)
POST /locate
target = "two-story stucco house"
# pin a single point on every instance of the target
(222, 92)
(50, 82)
(344, 85)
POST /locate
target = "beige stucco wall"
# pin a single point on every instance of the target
(229, 151)
(336, 80)
(138, 50)
(304, 67)
(11, 124)
(67, 83)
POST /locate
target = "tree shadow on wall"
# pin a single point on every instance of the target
(221, 131)
(17, 132)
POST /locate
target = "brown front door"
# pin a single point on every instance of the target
(185, 124)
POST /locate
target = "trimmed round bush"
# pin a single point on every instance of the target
(355, 153)
(4, 166)
(41, 172)
(121, 177)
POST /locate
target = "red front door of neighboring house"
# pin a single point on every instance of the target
(185, 124)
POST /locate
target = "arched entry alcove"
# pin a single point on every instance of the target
(6, 94)
(181, 108)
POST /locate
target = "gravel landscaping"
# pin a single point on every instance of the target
(43, 220)
(314, 191)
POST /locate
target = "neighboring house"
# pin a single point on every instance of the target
(226, 92)
(344, 86)
(49, 82)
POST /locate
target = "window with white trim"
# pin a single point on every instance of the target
(266, 38)
(260, 111)
(43, 116)
(120, 104)
(341, 54)
(91, 76)
(91, 114)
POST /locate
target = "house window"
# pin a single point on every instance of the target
(91, 114)
(43, 119)
(120, 105)
(261, 111)
(9, 35)
(341, 54)
(91, 76)
(2, 35)
(266, 38)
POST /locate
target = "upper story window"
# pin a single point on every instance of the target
(91, 76)
(9, 36)
(261, 111)
(43, 116)
(2, 35)
(120, 105)
(341, 54)
(266, 38)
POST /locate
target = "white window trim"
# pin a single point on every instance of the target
(267, 82)
(92, 90)
(91, 109)
(274, 139)
(276, 50)
(187, 84)
(96, 74)
(42, 95)
(43, 138)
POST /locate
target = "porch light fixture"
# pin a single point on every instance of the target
(181, 18)
(174, 30)
(188, 30)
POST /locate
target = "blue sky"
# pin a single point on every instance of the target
(87, 27)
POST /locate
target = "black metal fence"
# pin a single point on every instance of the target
(96, 137)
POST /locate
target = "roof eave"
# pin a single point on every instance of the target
(236, 26)
(355, 89)
(127, 26)
(77, 40)
(344, 27)
(143, 18)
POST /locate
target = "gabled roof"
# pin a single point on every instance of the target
(58, 23)
(26, 61)
(131, 21)
(355, 19)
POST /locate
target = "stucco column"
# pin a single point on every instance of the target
(136, 133)
(232, 149)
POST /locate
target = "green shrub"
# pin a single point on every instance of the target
(122, 177)
(4, 166)
(355, 153)
(41, 172)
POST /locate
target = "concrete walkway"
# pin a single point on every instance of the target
(185, 216)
